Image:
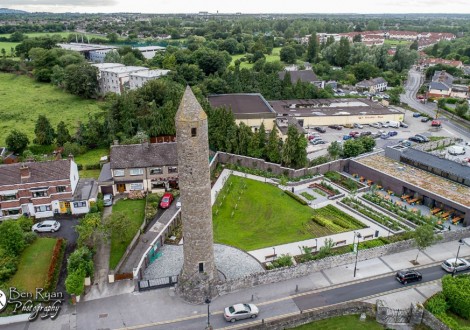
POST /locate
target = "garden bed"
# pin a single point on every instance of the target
(347, 183)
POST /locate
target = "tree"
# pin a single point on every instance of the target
(75, 282)
(368, 143)
(335, 149)
(342, 55)
(117, 225)
(394, 94)
(63, 134)
(312, 48)
(11, 237)
(461, 109)
(89, 228)
(424, 237)
(17, 141)
(294, 150)
(272, 147)
(81, 80)
(112, 37)
(357, 38)
(81, 258)
(288, 54)
(112, 57)
(352, 148)
(44, 131)
(414, 45)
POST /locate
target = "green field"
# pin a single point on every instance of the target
(269, 58)
(7, 46)
(135, 210)
(91, 157)
(266, 216)
(396, 42)
(22, 99)
(33, 265)
(89, 174)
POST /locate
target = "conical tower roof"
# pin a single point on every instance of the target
(190, 109)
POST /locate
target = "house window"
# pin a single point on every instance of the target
(137, 186)
(172, 169)
(8, 197)
(193, 131)
(156, 170)
(42, 208)
(61, 188)
(118, 172)
(42, 193)
(201, 267)
(79, 204)
(136, 171)
(11, 212)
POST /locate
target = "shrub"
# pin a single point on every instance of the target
(294, 196)
(75, 282)
(8, 265)
(308, 196)
(152, 198)
(11, 237)
(29, 237)
(282, 261)
(437, 304)
(25, 223)
(319, 221)
(81, 259)
(55, 265)
(457, 293)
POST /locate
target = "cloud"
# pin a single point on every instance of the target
(64, 3)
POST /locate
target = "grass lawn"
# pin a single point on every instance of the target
(265, 216)
(94, 174)
(22, 100)
(7, 45)
(347, 322)
(396, 42)
(275, 56)
(91, 157)
(134, 209)
(34, 265)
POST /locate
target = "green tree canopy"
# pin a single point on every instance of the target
(17, 141)
(44, 131)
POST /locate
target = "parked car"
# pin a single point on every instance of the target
(436, 123)
(453, 264)
(402, 124)
(240, 312)
(366, 133)
(108, 200)
(347, 137)
(408, 275)
(423, 137)
(356, 125)
(406, 143)
(456, 150)
(376, 135)
(320, 129)
(392, 133)
(416, 139)
(338, 127)
(353, 133)
(385, 124)
(416, 115)
(46, 226)
(166, 200)
(348, 125)
(376, 125)
(384, 136)
(353, 93)
(317, 141)
(425, 119)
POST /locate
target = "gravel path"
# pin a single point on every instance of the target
(232, 262)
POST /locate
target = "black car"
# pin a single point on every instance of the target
(416, 139)
(424, 119)
(366, 133)
(408, 275)
(320, 129)
(336, 127)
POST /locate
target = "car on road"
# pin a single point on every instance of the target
(338, 127)
(320, 129)
(385, 124)
(348, 126)
(425, 119)
(108, 200)
(402, 124)
(46, 226)
(353, 133)
(376, 135)
(454, 264)
(416, 115)
(240, 311)
(166, 200)
(408, 275)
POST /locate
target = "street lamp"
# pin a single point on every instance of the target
(461, 242)
(358, 235)
(208, 302)
(316, 245)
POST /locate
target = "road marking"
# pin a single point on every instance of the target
(445, 129)
(427, 255)
(386, 264)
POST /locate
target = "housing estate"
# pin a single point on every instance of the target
(42, 189)
(146, 167)
(373, 85)
(442, 85)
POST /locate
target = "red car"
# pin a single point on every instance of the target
(166, 201)
(436, 123)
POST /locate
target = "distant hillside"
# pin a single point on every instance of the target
(12, 11)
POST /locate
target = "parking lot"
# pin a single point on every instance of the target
(415, 126)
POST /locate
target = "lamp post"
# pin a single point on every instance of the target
(461, 242)
(208, 302)
(316, 245)
(274, 252)
(358, 235)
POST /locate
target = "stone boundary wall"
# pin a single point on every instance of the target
(433, 145)
(297, 319)
(303, 269)
(433, 322)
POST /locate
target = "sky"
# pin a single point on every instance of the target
(243, 6)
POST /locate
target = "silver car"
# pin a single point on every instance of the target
(108, 200)
(240, 312)
(450, 265)
(46, 226)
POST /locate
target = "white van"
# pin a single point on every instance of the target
(456, 150)
(394, 124)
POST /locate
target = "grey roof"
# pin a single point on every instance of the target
(302, 75)
(371, 82)
(466, 69)
(39, 172)
(243, 105)
(143, 155)
(443, 77)
(86, 189)
(444, 165)
(439, 85)
(105, 174)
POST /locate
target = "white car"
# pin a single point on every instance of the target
(108, 200)
(240, 312)
(450, 265)
(46, 226)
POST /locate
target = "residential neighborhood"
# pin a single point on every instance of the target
(215, 166)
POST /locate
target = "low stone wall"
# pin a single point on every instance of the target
(433, 322)
(303, 269)
(298, 319)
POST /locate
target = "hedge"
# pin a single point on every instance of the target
(55, 265)
(297, 198)
(457, 293)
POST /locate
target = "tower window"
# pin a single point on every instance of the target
(193, 131)
(201, 267)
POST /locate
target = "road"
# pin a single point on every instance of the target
(415, 80)
(360, 290)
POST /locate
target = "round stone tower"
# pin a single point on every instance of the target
(195, 283)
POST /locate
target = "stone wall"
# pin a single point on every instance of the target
(303, 269)
(298, 319)
(433, 322)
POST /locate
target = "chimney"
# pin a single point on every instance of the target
(70, 157)
(25, 172)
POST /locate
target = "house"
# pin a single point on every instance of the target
(146, 167)
(307, 76)
(440, 85)
(374, 85)
(427, 62)
(149, 51)
(138, 79)
(460, 91)
(84, 196)
(39, 189)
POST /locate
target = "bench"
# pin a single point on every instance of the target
(368, 237)
(456, 220)
(341, 242)
(435, 210)
(271, 256)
